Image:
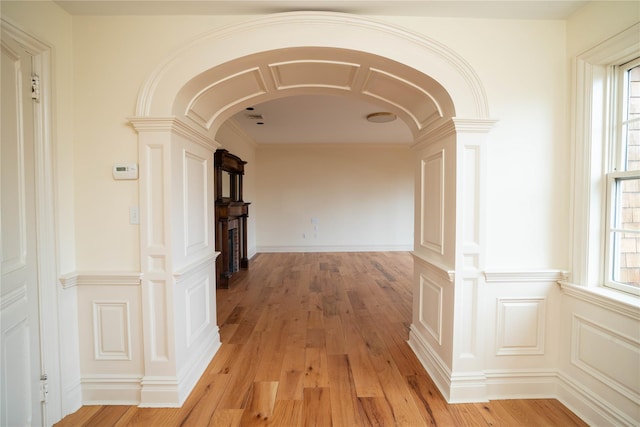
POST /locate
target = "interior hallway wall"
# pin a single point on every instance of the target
(334, 197)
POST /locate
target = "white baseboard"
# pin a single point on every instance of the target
(521, 384)
(438, 371)
(159, 392)
(468, 387)
(346, 248)
(72, 399)
(517, 384)
(591, 408)
(110, 389)
(196, 368)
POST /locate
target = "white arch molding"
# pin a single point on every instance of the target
(175, 153)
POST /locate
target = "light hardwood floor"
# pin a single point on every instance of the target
(320, 340)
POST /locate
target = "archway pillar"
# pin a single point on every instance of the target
(446, 333)
(177, 262)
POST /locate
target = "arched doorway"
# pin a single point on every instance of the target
(190, 95)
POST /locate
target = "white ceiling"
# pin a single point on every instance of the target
(501, 9)
(320, 119)
(326, 118)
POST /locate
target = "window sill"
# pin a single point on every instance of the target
(610, 299)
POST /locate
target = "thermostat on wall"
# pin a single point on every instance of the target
(125, 171)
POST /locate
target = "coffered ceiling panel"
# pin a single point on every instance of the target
(315, 73)
(412, 99)
(373, 84)
(225, 93)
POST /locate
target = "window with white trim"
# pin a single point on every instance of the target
(622, 269)
(605, 199)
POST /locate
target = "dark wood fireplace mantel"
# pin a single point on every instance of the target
(231, 217)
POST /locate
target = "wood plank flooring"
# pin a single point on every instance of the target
(320, 340)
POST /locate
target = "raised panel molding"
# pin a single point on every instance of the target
(432, 202)
(154, 189)
(469, 317)
(112, 330)
(198, 309)
(520, 327)
(471, 198)
(430, 307)
(158, 330)
(16, 296)
(17, 380)
(14, 242)
(314, 73)
(195, 206)
(587, 341)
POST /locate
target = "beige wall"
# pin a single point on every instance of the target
(528, 152)
(361, 196)
(112, 58)
(522, 64)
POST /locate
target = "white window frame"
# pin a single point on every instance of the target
(612, 198)
(592, 139)
(617, 172)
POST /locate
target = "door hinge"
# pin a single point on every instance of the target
(44, 388)
(35, 87)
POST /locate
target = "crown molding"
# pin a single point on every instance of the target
(173, 125)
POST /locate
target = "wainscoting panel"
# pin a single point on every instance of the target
(111, 330)
(470, 226)
(198, 309)
(110, 336)
(155, 191)
(520, 326)
(469, 317)
(197, 334)
(430, 312)
(158, 330)
(432, 202)
(621, 374)
(600, 355)
(195, 203)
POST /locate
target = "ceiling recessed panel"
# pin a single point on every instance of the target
(225, 93)
(316, 73)
(412, 99)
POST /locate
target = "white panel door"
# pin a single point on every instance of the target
(19, 305)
